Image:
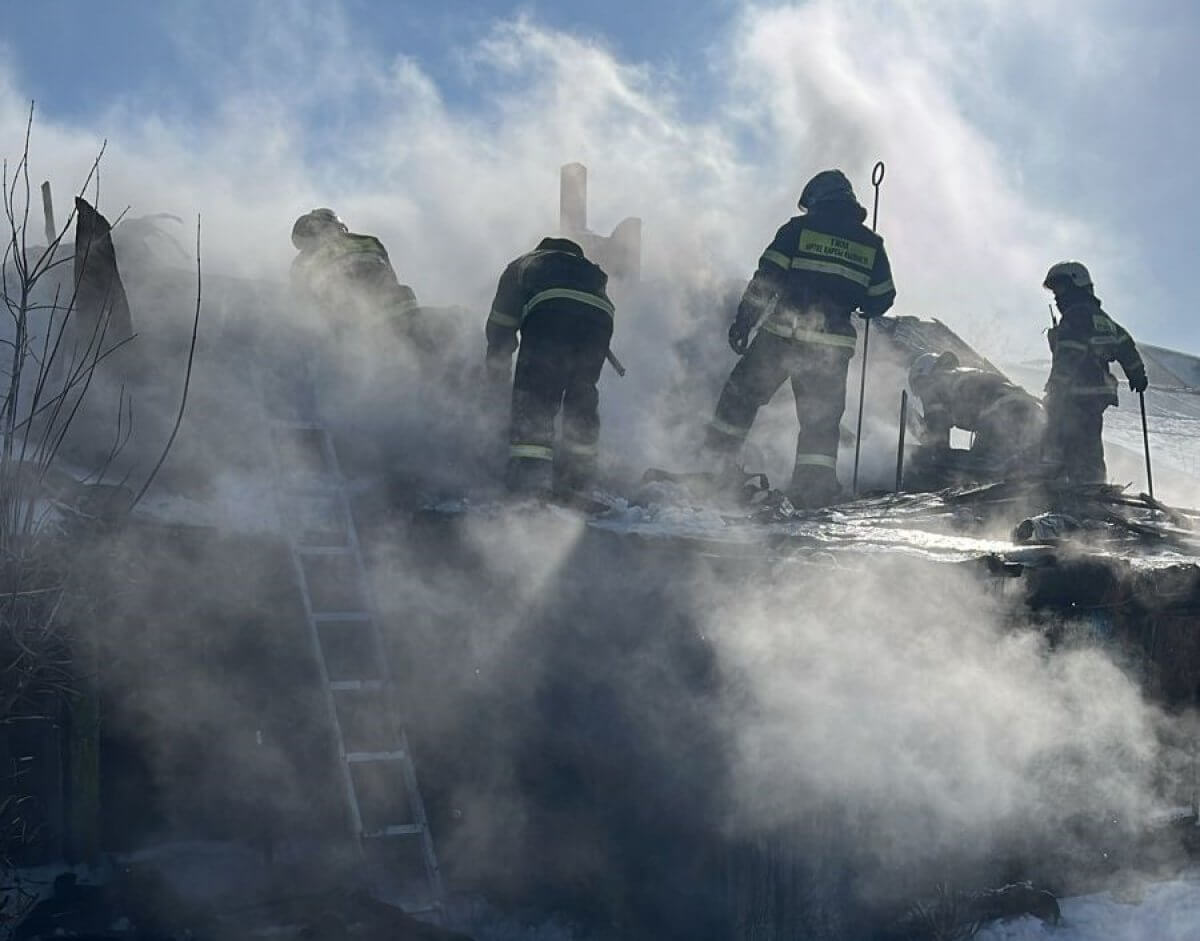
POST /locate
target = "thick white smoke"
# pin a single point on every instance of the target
(858, 686)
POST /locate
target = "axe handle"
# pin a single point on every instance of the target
(616, 363)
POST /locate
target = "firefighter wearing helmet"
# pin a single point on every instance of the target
(1005, 421)
(552, 304)
(820, 267)
(350, 277)
(1082, 344)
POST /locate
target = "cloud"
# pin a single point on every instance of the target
(307, 116)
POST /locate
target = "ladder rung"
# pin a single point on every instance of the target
(424, 909)
(396, 829)
(333, 617)
(363, 757)
(350, 685)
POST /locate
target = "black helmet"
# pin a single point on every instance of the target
(1068, 272)
(827, 186)
(312, 225)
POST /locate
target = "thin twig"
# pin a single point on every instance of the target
(187, 380)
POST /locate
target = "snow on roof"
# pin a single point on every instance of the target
(1161, 911)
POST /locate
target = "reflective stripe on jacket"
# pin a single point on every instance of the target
(347, 266)
(554, 278)
(818, 269)
(1082, 345)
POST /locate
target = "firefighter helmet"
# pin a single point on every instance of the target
(1071, 271)
(827, 186)
(925, 365)
(312, 225)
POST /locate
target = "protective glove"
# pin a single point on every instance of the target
(739, 337)
(1138, 383)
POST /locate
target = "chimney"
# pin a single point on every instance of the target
(572, 199)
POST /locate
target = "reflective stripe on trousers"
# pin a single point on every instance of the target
(532, 452)
(730, 431)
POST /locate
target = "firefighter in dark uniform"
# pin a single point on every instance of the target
(1082, 344)
(350, 277)
(555, 298)
(1006, 422)
(819, 268)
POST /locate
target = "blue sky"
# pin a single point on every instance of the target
(1016, 132)
(144, 55)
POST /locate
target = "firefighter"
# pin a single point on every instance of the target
(1082, 344)
(350, 277)
(819, 268)
(1006, 422)
(554, 297)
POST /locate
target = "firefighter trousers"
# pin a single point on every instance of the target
(818, 376)
(1009, 434)
(1074, 425)
(558, 365)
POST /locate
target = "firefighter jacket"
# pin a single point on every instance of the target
(1082, 344)
(971, 399)
(553, 280)
(818, 269)
(350, 264)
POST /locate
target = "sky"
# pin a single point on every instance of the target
(1015, 134)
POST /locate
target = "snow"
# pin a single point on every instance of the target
(1163, 911)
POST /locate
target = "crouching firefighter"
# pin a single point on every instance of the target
(1006, 422)
(555, 298)
(819, 268)
(350, 277)
(1082, 344)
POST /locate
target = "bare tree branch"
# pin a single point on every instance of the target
(187, 379)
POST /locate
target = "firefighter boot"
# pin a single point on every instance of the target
(813, 487)
(532, 477)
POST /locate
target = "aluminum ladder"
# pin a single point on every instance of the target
(380, 782)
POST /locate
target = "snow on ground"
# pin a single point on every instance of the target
(1163, 911)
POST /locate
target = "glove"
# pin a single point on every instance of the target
(1138, 383)
(739, 337)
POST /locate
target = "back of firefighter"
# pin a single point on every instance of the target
(818, 269)
(1006, 422)
(1082, 344)
(350, 277)
(555, 299)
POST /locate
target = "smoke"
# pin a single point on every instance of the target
(871, 686)
(925, 706)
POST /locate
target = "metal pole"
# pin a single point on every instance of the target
(900, 444)
(1146, 443)
(48, 210)
(876, 179)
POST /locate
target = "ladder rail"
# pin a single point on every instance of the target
(327, 691)
(333, 486)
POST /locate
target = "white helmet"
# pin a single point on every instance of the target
(1072, 271)
(921, 369)
(925, 365)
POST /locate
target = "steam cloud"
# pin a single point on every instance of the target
(856, 688)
